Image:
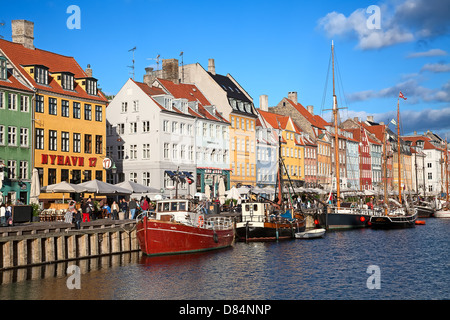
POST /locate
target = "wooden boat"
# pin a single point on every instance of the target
(443, 213)
(424, 211)
(177, 226)
(261, 223)
(310, 234)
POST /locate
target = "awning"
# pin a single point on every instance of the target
(169, 173)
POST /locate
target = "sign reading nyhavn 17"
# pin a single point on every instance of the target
(53, 159)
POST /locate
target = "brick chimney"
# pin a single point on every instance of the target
(23, 33)
(211, 66)
(310, 109)
(264, 102)
(293, 96)
(171, 70)
(88, 71)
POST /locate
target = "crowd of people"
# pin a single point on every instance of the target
(86, 210)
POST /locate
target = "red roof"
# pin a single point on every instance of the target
(21, 56)
(12, 82)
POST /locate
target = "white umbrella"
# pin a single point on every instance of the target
(207, 192)
(233, 193)
(64, 187)
(221, 191)
(100, 187)
(136, 187)
(35, 189)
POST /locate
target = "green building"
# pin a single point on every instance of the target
(15, 135)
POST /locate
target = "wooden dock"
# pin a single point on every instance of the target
(34, 244)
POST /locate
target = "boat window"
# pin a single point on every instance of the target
(159, 207)
(173, 206)
(166, 206)
(182, 206)
(255, 207)
(247, 207)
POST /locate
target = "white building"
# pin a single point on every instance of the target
(150, 135)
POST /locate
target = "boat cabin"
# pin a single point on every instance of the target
(173, 210)
(255, 211)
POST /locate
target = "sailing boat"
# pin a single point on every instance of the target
(444, 212)
(270, 220)
(341, 217)
(398, 217)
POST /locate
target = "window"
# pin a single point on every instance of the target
(87, 112)
(3, 69)
(146, 179)
(120, 128)
(67, 81)
(39, 139)
(51, 176)
(91, 87)
(174, 151)
(145, 126)
(64, 141)
(166, 151)
(124, 107)
(133, 151)
(133, 177)
(88, 143)
(12, 136)
(76, 110)
(52, 106)
(24, 137)
(98, 144)
(12, 169)
(23, 170)
(430, 176)
(174, 127)
(98, 113)
(77, 142)
(120, 152)
(24, 103)
(136, 105)
(41, 75)
(52, 140)
(166, 126)
(146, 151)
(133, 127)
(12, 101)
(65, 108)
(2, 135)
(2, 100)
(39, 103)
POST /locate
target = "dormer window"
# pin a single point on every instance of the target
(67, 81)
(3, 68)
(41, 75)
(91, 86)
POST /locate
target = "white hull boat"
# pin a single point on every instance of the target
(310, 234)
(442, 213)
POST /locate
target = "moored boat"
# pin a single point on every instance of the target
(178, 227)
(395, 220)
(424, 211)
(443, 213)
(310, 234)
(260, 224)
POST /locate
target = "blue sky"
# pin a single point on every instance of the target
(270, 47)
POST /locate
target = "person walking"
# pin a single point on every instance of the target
(85, 209)
(133, 206)
(124, 208)
(115, 211)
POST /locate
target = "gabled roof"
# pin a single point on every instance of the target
(13, 83)
(314, 120)
(276, 121)
(20, 57)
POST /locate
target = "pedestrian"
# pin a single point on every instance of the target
(115, 211)
(144, 204)
(85, 209)
(124, 208)
(2, 215)
(132, 206)
(68, 217)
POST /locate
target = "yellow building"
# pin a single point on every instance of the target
(243, 149)
(68, 112)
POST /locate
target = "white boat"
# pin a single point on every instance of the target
(443, 213)
(310, 234)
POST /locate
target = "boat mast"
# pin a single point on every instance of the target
(398, 152)
(446, 169)
(336, 138)
(385, 172)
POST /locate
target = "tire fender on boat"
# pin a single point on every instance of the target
(215, 237)
(200, 221)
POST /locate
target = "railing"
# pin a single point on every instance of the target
(218, 223)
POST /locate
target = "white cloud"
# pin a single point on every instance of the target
(436, 67)
(429, 53)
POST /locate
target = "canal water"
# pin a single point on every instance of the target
(361, 264)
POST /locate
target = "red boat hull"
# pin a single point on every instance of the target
(164, 237)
